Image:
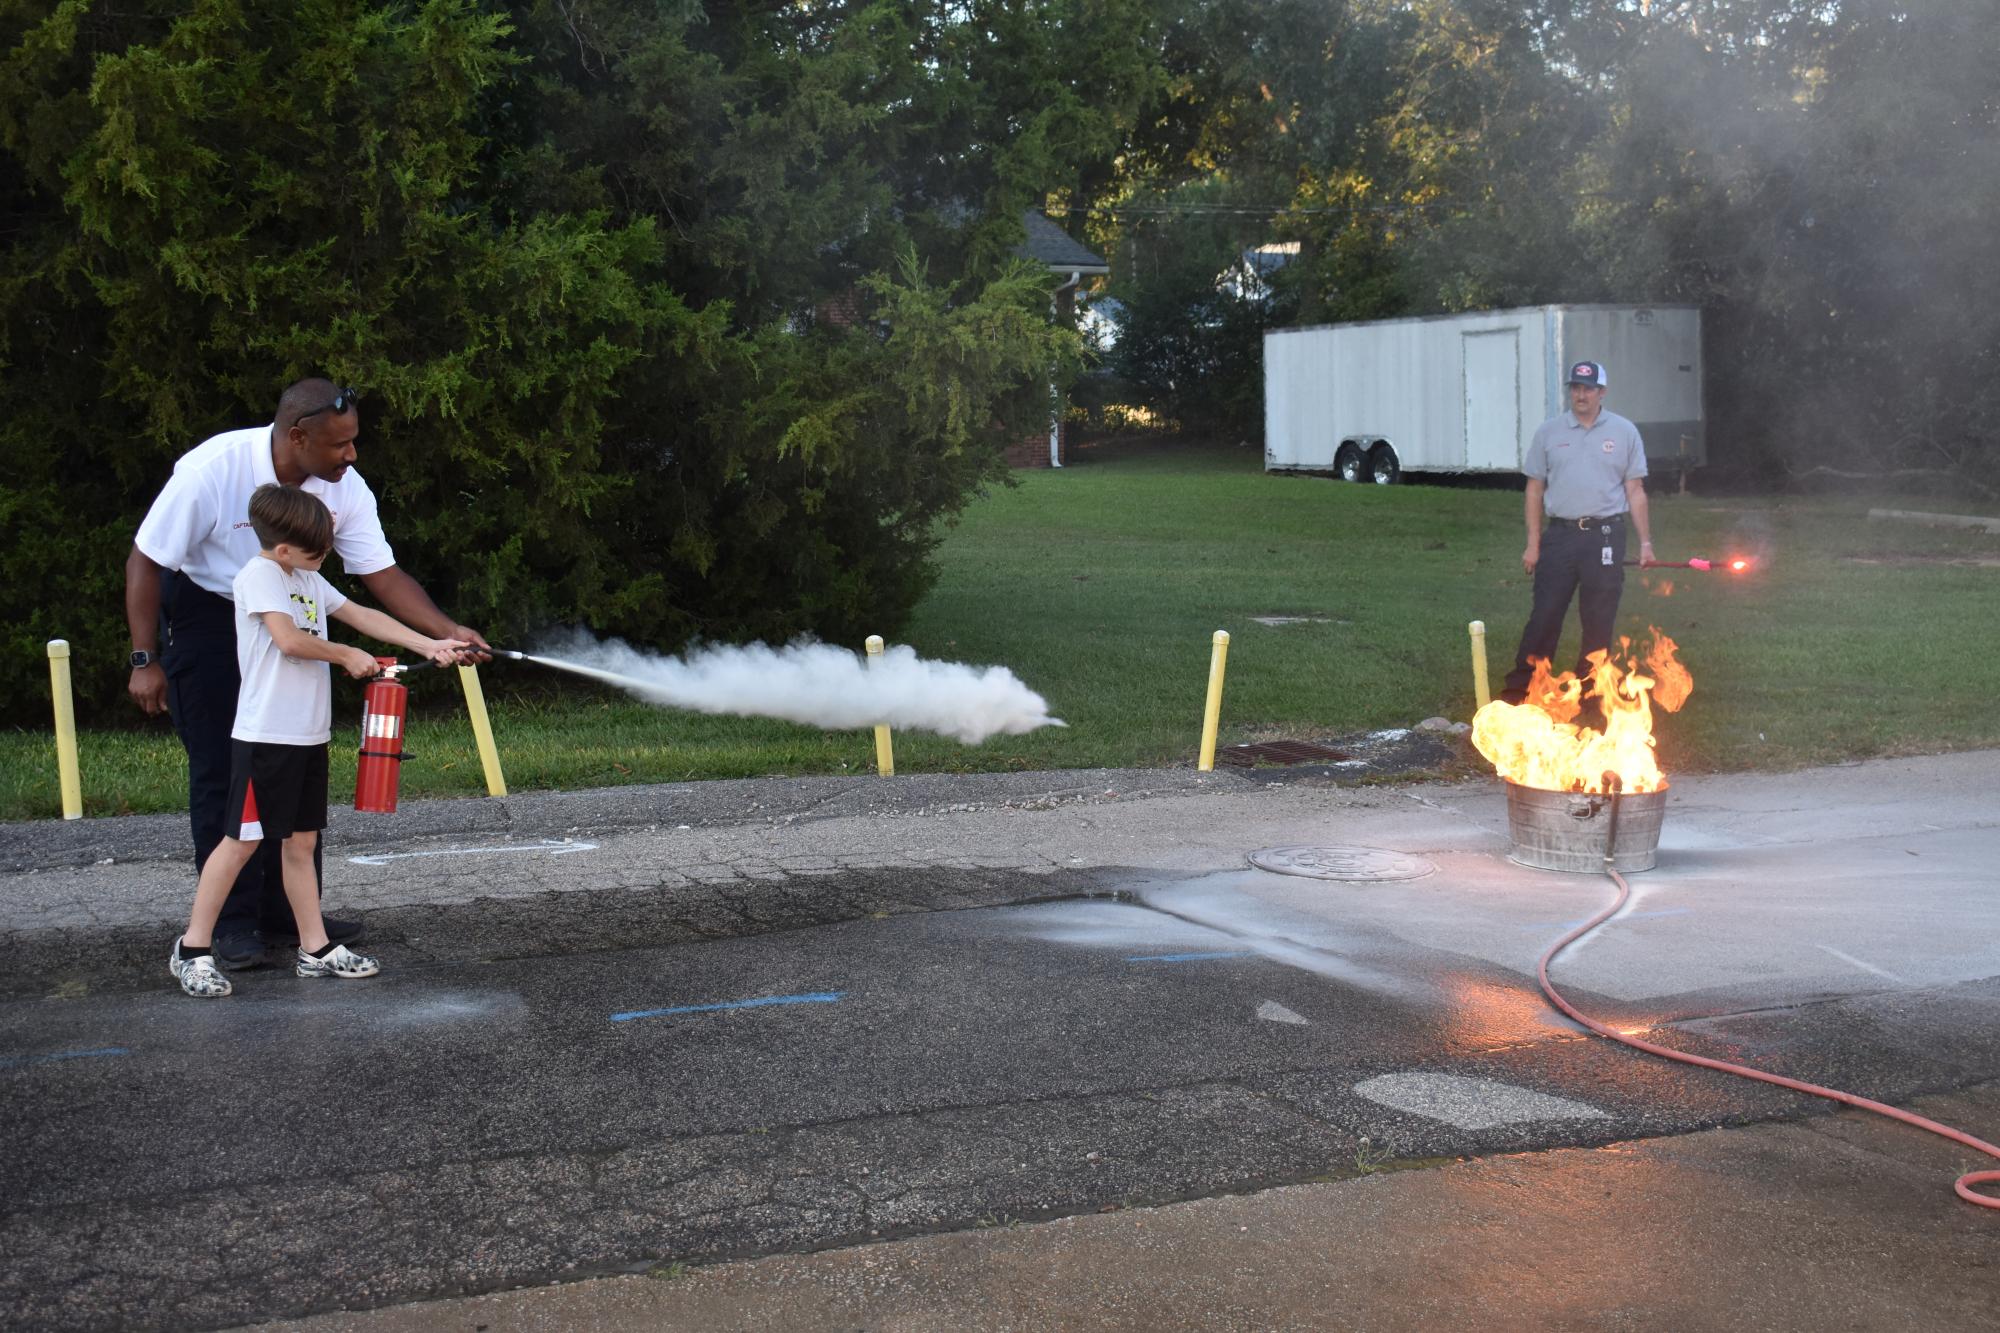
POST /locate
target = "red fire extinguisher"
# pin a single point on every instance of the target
(384, 707)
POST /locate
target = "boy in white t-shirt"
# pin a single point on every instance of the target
(284, 716)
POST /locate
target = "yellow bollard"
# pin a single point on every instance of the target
(1479, 691)
(885, 750)
(67, 772)
(1212, 715)
(482, 730)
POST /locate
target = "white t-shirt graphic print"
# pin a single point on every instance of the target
(284, 700)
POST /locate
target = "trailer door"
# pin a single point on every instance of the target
(1493, 400)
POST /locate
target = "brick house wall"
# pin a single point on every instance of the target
(1034, 451)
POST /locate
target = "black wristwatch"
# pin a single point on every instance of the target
(141, 659)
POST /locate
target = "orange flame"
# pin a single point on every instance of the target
(1538, 744)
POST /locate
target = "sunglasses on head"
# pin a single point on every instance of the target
(342, 400)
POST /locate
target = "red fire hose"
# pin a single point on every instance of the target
(1963, 1184)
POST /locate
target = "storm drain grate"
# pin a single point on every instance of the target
(1344, 863)
(1279, 752)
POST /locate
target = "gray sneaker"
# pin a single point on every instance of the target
(199, 977)
(340, 962)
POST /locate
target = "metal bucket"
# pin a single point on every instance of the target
(1565, 830)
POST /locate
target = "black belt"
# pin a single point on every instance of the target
(1586, 524)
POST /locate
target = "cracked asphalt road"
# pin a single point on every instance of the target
(981, 1000)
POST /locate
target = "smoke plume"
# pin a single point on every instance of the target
(814, 683)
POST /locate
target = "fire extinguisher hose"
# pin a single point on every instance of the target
(1964, 1184)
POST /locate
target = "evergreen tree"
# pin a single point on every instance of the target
(580, 259)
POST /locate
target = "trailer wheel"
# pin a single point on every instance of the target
(1348, 462)
(1383, 469)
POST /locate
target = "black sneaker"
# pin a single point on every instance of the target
(337, 932)
(234, 953)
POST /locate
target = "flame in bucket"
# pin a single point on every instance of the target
(1538, 744)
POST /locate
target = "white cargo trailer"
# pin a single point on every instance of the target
(1464, 393)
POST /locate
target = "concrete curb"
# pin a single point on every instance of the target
(49, 844)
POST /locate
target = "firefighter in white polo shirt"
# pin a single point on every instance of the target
(194, 539)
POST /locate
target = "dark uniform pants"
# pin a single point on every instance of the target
(1572, 564)
(198, 653)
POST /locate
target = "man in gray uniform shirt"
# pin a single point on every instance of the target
(1586, 474)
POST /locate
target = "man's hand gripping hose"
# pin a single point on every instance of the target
(1964, 1184)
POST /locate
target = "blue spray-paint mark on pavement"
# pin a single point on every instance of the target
(817, 997)
(1191, 957)
(20, 1061)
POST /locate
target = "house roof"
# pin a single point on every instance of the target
(1050, 245)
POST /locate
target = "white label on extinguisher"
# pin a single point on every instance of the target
(386, 725)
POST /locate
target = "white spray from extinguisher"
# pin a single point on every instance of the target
(813, 683)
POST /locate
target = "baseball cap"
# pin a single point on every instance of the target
(1589, 373)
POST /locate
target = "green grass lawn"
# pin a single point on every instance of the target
(1100, 585)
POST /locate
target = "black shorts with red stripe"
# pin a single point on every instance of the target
(275, 790)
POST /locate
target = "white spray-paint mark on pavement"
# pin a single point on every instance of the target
(1884, 973)
(1209, 919)
(1470, 1103)
(1203, 956)
(1283, 936)
(1109, 925)
(1273, 1012)
(553, 848)
(449, 1007)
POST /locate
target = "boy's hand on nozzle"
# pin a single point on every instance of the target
(357, 662)
(449, 652)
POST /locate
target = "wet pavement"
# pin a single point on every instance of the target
(954, 1020)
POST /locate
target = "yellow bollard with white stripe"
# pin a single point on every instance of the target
(482, 730)
(1211, 717)
(68, 773)
(885, 750)
(1479, 690)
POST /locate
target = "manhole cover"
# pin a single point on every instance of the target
(1350, 863)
